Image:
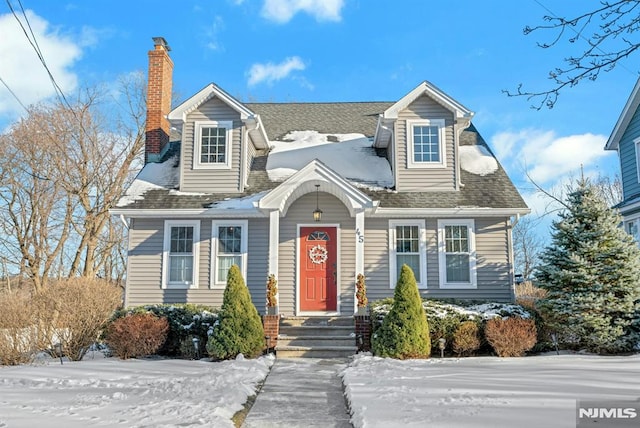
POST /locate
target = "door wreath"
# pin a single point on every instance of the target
(318, 254)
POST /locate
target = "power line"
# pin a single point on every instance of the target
(13, 93)
(34, 44)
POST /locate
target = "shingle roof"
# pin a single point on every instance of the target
(494, 190)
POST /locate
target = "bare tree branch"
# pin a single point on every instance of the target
(607, 35)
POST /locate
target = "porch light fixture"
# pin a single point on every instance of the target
(317, 214)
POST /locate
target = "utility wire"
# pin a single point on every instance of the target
(14, 94)
(34, 44)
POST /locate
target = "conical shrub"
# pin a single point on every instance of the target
(239, 329)
(404, 332)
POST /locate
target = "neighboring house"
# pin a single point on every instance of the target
(315, 193)
(625, 138)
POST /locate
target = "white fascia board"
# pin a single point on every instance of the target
(187, 213)
(434, 92)
(448, 212)
(625, 117)
(256, 130)
(383, 129)
(179, 114)
(315, 171)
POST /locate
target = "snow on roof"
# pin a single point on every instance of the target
(477, 160)
(163, 175)
(350, 155)
(245, 203)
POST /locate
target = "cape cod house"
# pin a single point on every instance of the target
(315, 193)
(625, 139)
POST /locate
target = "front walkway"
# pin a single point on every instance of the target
(301, 392)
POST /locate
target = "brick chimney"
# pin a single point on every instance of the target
(158, 100)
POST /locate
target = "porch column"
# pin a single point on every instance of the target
(274, 239)
(359, 251)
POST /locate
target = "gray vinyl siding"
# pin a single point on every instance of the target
(628, 161)
(424, 179)
(211, 180)
(144, 282)
(300, 212)
(493, 266)
(258, 262)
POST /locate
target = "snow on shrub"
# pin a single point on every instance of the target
(185, 322)
(445, 318)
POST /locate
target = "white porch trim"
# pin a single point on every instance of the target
(359, 253)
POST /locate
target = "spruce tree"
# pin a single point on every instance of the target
(404, 332)
(239, 329)
(592, 273)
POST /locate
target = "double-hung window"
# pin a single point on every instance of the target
(213, 144)
(180, 255)
(457, 256)
(407, 245)
(229, 247)
(426, 143)
(632, 227)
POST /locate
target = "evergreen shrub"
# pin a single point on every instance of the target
(239, 329)
(404, 333)
(466, 339)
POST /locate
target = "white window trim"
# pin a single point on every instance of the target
(197, 132)
(422, 248)
(442, 261)
(637, 146)
(635, 218)
(168, 224)
(440, 123)
(244, 224)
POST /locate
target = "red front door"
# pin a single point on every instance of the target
(318, 269)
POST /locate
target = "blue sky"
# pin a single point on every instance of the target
(337, 50)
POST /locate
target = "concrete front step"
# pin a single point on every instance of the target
(315, 352)
(316, 330)
(319, 337)
(317, 321)
(315, 341)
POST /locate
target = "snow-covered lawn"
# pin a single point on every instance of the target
(538, 391)
(131, 393)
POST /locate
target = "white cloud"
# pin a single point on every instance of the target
(271, 72)
(212, 32)
(282, 11)
(21, 69)
(546, 156)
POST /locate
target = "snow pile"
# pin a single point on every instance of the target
(484, 391)
(163, 175)
(110, 392)
(350, 155)
(477, 160)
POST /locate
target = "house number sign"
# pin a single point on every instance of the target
(318, 254)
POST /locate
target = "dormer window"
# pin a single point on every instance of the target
(212, 144)
(426, 144)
